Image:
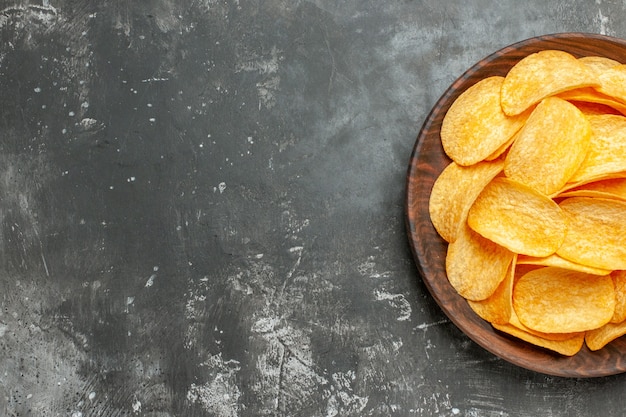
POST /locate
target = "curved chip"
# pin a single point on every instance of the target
(608, 188)
(598, 64)
(550, 147)
(607, 148)
(518, 217)
(500, 151)
(580, 184)
(596, 339)
(588, 108)
(596, 232)
(590, 95)
(453, 193)
(558, 300)
(557, 261)
(540, 75)
(498, 307)
(568, 345)
(619, 282)
(465, 265)
(549, 336)
(613, 82)
(475, 127)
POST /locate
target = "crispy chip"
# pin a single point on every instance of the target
(518, 218)
(559, 300)
(465, 265)
(540, 75)
(453, 193)
(598, 338)
(549, 336)
(475, 126)
(568, 346)
(498, 307)
(613, 82)
(609, 188)
(550, 147)
(598, 64)
(557, 261)
(592, 96)
(607, 148)
(579, 184)
(596, 232)
(522, 269)
(589, 108)
(500, 151)
(619, 282)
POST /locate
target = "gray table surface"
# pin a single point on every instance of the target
(202, 213)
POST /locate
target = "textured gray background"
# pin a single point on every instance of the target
(201, 205)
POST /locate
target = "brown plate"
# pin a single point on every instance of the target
(429, 249)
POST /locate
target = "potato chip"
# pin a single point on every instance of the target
(522, 269)
(559, 300)
(589, 108)
(540, 75)
(590, 95)
(596, 339)
(498, 307)
(549, 336)
(475, 127)
(568, 347)
(518, 218)
(557, 261)
(619, 282)
(550, 147)
(453, 193)
(607, 148)
(465, 265)
(579, 184)
(598, 64)
(500, 151)
(613, 82)
(609, 188)
(596, 232)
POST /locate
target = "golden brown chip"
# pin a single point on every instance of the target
(568, 346)
(619, 282)
(540, 75)
(596, 232)
(607, 148)
(518, 218)
(549, 336)
(475, 126)
(613, 82)
(579, 184)
(598, 338)
(522, 269)
(557, 261)
(609, 188)
(498, 307)
(592, 96)
(465, 265)
(453, 193)
(550, 147)
(598, 64)
(589, 108)
(554, 300)
(500, 151)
